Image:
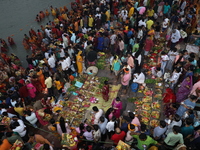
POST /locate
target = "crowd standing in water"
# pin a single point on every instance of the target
(126, 32)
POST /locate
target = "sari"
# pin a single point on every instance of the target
(43, 117)
(11, 41)
(31, 90)
(25, 44)
(117, 105)
(184, 90)
(169, 96)
(41, 78)
(105, 92)
(79, 60)
(151, 33)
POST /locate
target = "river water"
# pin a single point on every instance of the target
(17, 17)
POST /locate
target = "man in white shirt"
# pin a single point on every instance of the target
(62, 52)
(19, 127)
(65, 39)
(142, 23)
(140, 33)
(102, 126)
(52, 62)
(175, 37)
(97, 114)
(70, 51)
(65, 64)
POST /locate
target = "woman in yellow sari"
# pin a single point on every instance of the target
(41, 77)
(151, 33)
(79, 62)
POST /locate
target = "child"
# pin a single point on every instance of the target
(164, 60)
(174, 78)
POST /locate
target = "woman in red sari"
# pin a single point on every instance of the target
(105, 91)
(11, 41)
(169, 96)
(36, 83)
(3, 45)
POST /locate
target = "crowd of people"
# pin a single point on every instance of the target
(126, 31)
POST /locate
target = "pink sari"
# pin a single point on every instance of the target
(42, 116)
(117, 105)
(31, 90)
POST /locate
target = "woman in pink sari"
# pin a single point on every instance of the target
(44, 115)
(31, 89)
(184, 89)
(117, 106)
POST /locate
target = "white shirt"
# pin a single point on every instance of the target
(140, 34)
(165, 23)
(170, 126)
(183, 5)
(140, 23)
(52, 62)
(102, 126)
(62, 53)
(110, 126)
(32, 118)
(172, 55)
(97, 116)
(20, 129)
(175, 37)
(175, 77)
(46, 54)
(112, 39)
(65, 40)
(164, 57)
(139, 78)
(70, 52)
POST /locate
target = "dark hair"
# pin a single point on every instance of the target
(132, 126)
(46, 147)
(88, 128)
(62, 125)
(108, 112)
(188, 121)
(176, 129)
(5, 114)
(106, 82)
(114, 118)
(131, 115)
(177, 117)
(102, 119)
(163, 123)
(163, 53)
(193, 97)
(52, 121)
(31, 133)
(16, 124)
(142, 136)
(28, 112)
(9, 134)
(48, 111)
(96, 127)
(143, 127)
(117, 99)
(95, 108)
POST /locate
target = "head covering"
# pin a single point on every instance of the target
(21, 81)
(126, 70)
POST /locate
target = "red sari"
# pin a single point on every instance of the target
(11, 41)
(169, 96)
(105, 92)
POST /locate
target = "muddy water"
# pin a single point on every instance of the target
(18, 16)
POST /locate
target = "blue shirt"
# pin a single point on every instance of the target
(166, 9)
(181, 110)
(187, 131)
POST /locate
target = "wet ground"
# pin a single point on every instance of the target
(17, 17)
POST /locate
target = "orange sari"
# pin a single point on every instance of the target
(41, 78)
(151, 33)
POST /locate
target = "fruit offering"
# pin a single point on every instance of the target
(154, 123)
(145, 120)
(155, 114)
(147, 99)
(145, 113)
(146, 106)
(155, 105)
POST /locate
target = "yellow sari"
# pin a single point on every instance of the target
(79, 60)
(151, 33)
